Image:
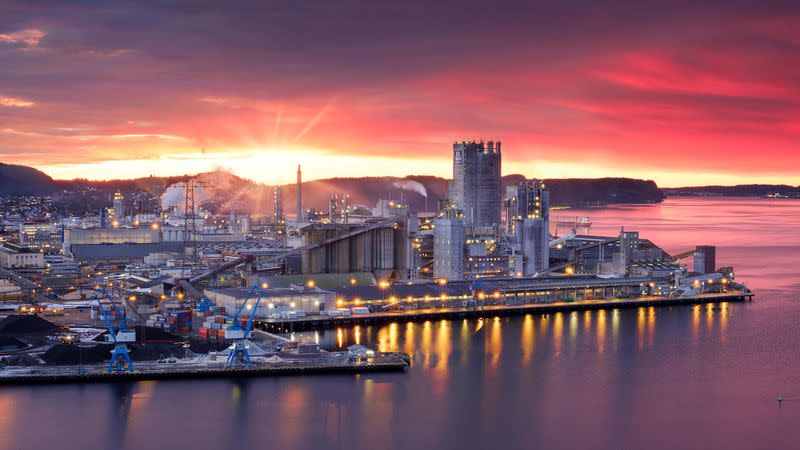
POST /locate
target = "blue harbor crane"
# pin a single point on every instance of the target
(120, 359)
(240, 353)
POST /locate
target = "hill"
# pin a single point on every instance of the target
(567, 192)
(24, 180)
(228, 192)
(741, 190)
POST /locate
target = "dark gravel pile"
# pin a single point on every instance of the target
(148, 334)
(10, 344)
(26, 324)
(70, 354)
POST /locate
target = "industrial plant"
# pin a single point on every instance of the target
(179, 290)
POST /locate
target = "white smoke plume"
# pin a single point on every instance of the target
(175, 196)
(410, 185)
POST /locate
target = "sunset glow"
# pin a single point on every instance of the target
(119, 93)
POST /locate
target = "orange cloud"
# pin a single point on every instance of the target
(29, 37)
(15, 102)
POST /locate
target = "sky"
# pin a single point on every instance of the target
(680, 92)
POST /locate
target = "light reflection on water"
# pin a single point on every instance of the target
(441, 345)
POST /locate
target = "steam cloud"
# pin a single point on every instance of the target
(409, 185)
(174, 196)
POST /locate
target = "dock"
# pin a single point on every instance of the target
(381, 362)
(322, 322)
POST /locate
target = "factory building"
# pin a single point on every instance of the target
(389, 209)
(119, 206)
(705, 259)
(16, 257)
(628, 249)
(475, 188)
(110, 236)
(421, 235)
(44, 236)
(381, 247)
(528, 222)
(612, 256)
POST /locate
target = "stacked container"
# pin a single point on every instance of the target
(212, 326)
(112, 312)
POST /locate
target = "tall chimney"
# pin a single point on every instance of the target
(299, 195)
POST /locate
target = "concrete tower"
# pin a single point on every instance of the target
(448, 246)
(299, 195)
(475, 188)
(705, 259)
(528, 220)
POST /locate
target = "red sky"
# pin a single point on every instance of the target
(681, 92)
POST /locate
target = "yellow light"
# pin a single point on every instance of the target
(339, 302)
(570, 270)
(132, 298)
(264, 285)
(352, 281)
(154, 226)
(311, 283)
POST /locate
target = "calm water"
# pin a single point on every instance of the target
(678, 378)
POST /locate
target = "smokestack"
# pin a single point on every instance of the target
(299, 194)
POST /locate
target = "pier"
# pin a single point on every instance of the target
(318, 322)
(381, 362)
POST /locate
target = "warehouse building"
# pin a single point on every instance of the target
(309, 300)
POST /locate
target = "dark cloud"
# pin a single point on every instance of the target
(574, 73)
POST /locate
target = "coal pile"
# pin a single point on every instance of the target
(11, 344)
(26, 324)
(148, 334)
(21, 360)
(70, 354)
